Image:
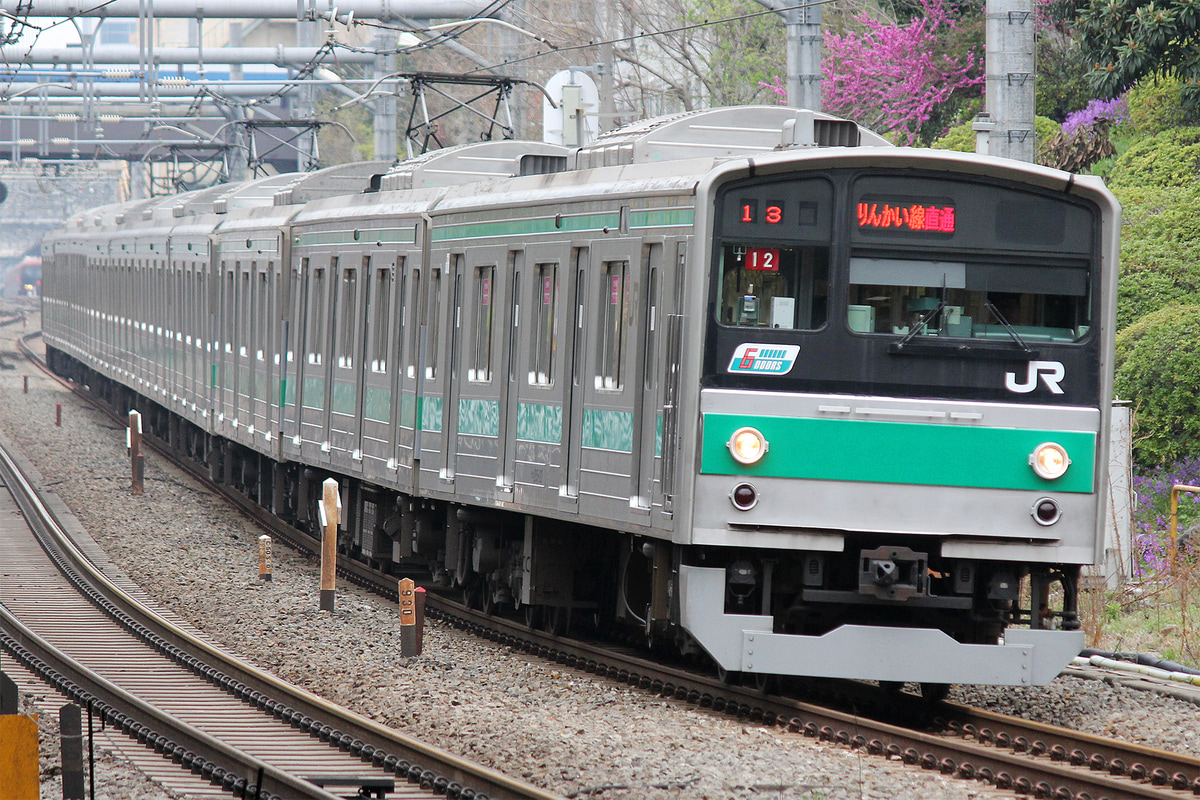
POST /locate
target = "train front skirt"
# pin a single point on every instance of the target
(746, 643)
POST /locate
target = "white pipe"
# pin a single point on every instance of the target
(1140, 669)
(252, 9)
(128, 54)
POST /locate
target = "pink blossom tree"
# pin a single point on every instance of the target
(894, 76)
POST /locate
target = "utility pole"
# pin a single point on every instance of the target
(803, 51)
(1007, 130)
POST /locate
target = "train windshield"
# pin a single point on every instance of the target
(774, 287)
(911, 297)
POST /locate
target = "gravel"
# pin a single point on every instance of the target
(570, 732)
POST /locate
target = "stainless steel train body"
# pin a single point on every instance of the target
(799, 400)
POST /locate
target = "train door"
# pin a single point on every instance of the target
(673, 354)
(451, 387)
(476, 384)
(540, 332)
(227, 309)
(647, 436)
(243, 347)
(408, 347)
(610, 370)
(342, 387)
(346, 370)
(375, 443)
(429, 440)
(508, 382)
(262, 347)
(311, 400)
(573, 395)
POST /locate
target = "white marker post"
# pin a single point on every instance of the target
(133, 441)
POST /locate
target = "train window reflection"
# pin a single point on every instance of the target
(613, 303)
(544, 333)
(966, 300)
(774, 287)
(481, 369)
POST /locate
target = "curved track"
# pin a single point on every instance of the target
(230, 725)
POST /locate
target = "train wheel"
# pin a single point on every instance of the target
(558, 620)
(535, 616)
(472, 594)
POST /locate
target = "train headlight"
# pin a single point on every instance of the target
(1049, 460)
(747, 445)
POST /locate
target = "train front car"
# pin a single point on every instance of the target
(904, 413)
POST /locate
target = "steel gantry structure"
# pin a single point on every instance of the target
(237, 109)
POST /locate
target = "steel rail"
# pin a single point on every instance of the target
(376, 744)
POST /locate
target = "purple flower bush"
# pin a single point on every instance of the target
(1115, 111)
(1152, 517)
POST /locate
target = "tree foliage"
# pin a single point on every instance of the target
(1061, 66)
(1158, 369)
(897, 76)
(1126, 41)
(1156, 182)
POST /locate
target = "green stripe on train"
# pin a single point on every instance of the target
(898, 452)
(478, 417)
(608, 430)
(479, 230)
(662, 217)
(539, 422)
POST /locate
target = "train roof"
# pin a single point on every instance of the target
(478, 161)
(722, 132)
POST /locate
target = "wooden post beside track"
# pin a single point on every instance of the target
(264, 557)
(58, 415)
(26, 385)
(331, 507)
(137, 462)
(70, 725)
(408, 618)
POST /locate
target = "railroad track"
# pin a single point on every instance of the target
(229, 724)
(1012, 754)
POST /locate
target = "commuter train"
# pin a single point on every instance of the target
(744, 382)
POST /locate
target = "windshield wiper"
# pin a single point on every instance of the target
(1004, 323)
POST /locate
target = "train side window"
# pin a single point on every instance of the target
(244, 324)
(261, 315)
(481, 368)
(228, 308)
(381, 298)
(413, 333)
(348, 307)
(613, 301)
(774, 287)
(545, 338)
(316, 317)
(432, 324)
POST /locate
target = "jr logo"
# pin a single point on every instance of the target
(1051, 373)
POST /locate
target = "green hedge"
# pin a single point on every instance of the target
(1170, 158)
(1158, 370)
(1160, 249)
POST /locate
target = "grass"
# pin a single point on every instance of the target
(1159, 615)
